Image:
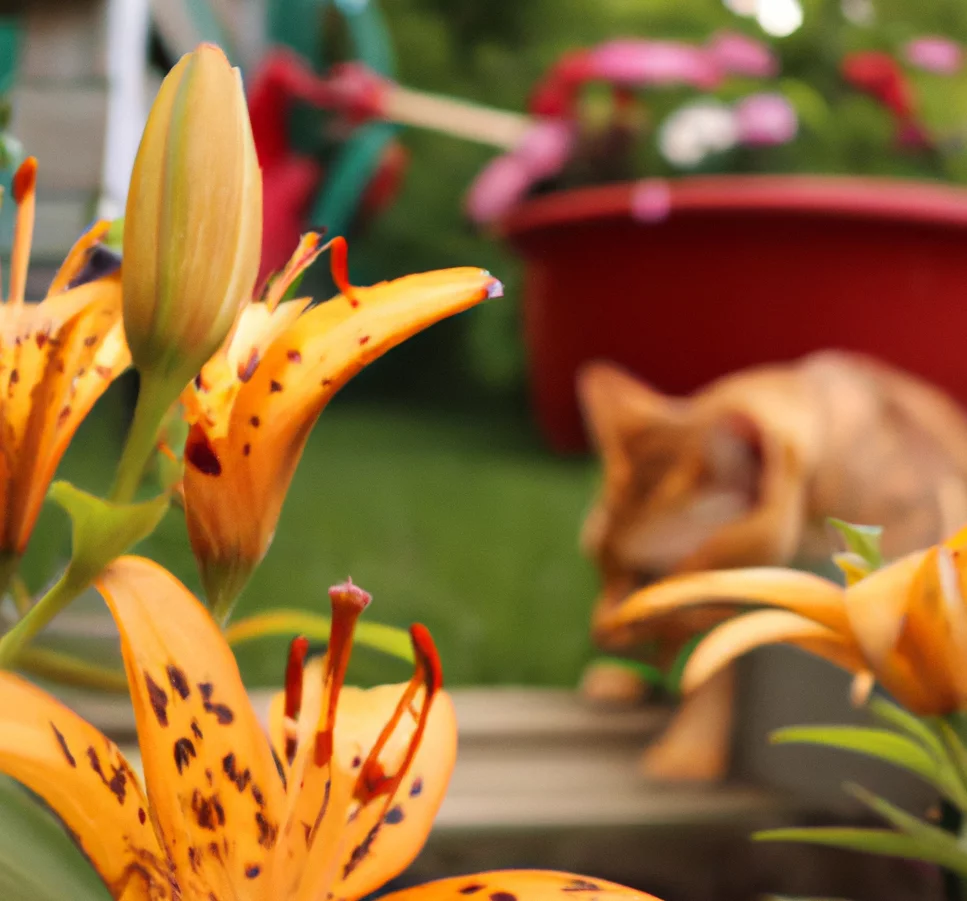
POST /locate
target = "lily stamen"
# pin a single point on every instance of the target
(428, 675)
(339, 267)
(25, 196)
(294, 671)
(348, 602)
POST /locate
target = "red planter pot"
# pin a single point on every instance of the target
(683, 281)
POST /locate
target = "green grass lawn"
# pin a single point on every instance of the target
(461, 522)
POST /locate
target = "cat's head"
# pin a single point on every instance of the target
(674, 474)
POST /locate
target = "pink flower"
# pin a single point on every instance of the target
(642, 63)
(543, 152)
(935, 54)
(546, 147)
(651, 200)
(764, 120)
(501, 185)
(740, 55)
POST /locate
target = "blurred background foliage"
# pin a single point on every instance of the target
(426, 479)
(494, 53)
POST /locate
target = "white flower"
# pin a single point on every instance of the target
(695, 131)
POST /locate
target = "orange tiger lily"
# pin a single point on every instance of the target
(253, 405)
(336, 800)
(904, 626)
(56, 359)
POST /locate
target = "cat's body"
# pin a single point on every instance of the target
(747, 470)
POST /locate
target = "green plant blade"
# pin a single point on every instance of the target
(864, 541)
(385, 639)
(955, 748)
(884, 842)
(38, 862)
(895, 716)
(101, 530)
(939, 843)
(880, 743)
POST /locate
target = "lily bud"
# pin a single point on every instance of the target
(193, 222)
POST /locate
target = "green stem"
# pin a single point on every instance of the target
(154, 400)
(70, 670)
(61, 593)
(9, 564)
(22, 598)
(289, 623)
(954, 820)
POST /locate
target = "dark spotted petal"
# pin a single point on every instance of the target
(387, 831)
(520, 885)
(210, 775)
(232, 508)
(88, 784)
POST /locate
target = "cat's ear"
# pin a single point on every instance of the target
(617, 407)
(734, 448)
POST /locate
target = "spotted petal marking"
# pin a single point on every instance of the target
(56, 359)
(213, 785)
(519, 885)
(85, 780)
(385, 833)
(235, 484)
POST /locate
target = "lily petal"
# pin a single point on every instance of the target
(87, 354)
(88, 784)
(235, 484)
(763, 627)
(519, 885)
(934, 631)
(77, 256)
(810, 596)
(385, 834)
(58, 357)
(211, 779)
(877, 606)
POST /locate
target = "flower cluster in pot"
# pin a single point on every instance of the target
(337, 795)
(839, 96)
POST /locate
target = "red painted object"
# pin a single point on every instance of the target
(686, 280)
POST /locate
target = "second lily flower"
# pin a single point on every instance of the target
(904, 626)
(253, 405)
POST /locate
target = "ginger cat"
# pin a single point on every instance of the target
(745, 472)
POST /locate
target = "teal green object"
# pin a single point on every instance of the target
(301, 25)
(10, 42)
(348, 176)
(207, 25)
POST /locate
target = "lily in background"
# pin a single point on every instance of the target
(903, 625)
(57, 357)
(335, 801)
(253, 405)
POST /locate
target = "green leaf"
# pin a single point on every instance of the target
(102, 531)
(386, 639)
(880, 743)
(673, 680)
(885, 842)
(864, 541)
(956, 749)
(894, 715)
(940, 844)
(38, 862)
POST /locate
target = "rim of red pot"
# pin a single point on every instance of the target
(654, 200)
